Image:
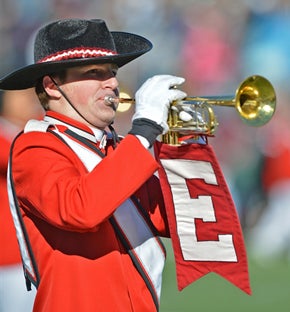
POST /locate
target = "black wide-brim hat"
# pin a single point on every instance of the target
(75, 42)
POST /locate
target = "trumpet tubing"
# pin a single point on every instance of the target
(254, 100)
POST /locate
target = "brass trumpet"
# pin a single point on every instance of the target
(255, 101)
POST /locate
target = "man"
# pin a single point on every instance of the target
(87, 208)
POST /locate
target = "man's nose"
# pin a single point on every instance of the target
(111, 82)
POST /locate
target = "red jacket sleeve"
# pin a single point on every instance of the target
(52, 183)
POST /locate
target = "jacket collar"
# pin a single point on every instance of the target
(93, 134)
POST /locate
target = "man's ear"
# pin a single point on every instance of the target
(50, 87)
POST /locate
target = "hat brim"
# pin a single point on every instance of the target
(129, 47)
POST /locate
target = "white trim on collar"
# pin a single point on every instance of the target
(95, 137)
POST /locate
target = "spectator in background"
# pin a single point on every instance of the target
(16, 108)
(265, 50)
(209, 48)
(270, 236)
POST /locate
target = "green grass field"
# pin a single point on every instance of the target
(270, 285)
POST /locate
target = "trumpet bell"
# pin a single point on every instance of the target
(255, 101)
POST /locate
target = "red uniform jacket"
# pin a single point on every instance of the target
(82, 264)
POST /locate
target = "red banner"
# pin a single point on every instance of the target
(204, 226)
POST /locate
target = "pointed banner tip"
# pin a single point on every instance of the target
(244, 287)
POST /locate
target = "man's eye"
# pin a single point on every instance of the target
(102, 75)
(96, 72)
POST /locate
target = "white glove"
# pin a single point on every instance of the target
(153, 99)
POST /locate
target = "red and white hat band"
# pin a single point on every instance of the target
(77, 53)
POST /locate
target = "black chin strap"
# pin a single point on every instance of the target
(115, 136)
(68, 100)
(113, 132)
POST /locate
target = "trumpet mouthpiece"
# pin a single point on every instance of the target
(111, 100)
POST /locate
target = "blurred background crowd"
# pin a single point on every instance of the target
(215, 45)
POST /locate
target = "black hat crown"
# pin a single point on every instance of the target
(76, 35)
(75, 42)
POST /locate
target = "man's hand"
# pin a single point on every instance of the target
(154, 97)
